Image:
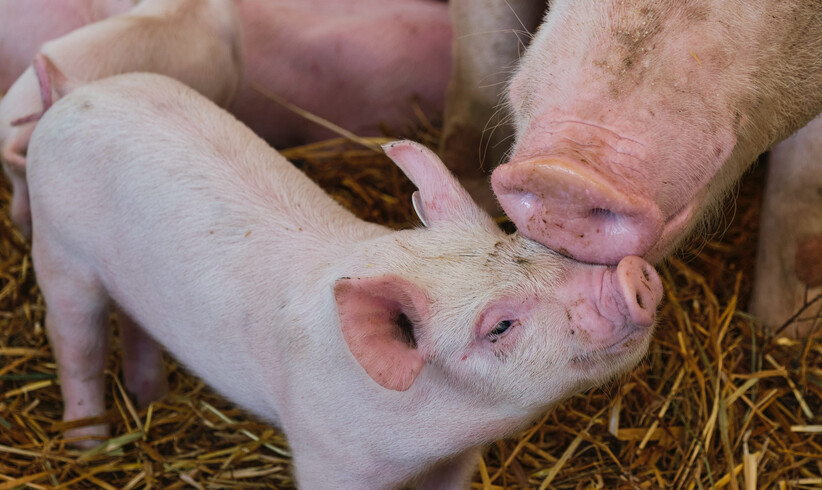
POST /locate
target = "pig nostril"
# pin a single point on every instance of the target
(645, 274)
(639, 301)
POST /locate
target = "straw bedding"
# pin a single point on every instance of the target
(717, 403)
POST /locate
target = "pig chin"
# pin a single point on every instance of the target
(606, 362)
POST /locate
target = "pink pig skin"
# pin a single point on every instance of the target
(357, 63)
(410, 349)
(635, 118)
(26, 24)
(196, 41)
(789, 258)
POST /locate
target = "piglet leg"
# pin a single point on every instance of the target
(77, 326)
(454, 473)
(789, 260)
(144, 373)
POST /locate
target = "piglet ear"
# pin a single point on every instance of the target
(378, 315)
(53, 82)
(440, 196)
(53, 86)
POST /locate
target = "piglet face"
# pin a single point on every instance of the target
(497, 315)
(531, 327)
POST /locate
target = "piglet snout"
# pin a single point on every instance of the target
(576, 210)
(641, 289)
(610, 304)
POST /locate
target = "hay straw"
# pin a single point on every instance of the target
(717, 402)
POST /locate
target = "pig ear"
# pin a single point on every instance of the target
(440, 196)
(377, 317)
(53, 85)
(53, 82)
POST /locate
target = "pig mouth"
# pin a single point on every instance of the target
(635, 340)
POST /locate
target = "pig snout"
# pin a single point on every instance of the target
(612, 307)
(641, 289)
(577, 210)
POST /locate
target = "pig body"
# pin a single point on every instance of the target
(197, 42)
(355, 63)
(26, 24)
(408, 348)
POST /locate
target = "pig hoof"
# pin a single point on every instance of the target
(809, 262)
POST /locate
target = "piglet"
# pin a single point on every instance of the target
(195, 41)
(26, 24)
(411, 349)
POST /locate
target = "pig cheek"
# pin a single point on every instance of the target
(517, 94)
(486, 360)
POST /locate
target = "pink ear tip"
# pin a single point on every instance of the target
(394, 148)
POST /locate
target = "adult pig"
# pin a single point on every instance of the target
(408, 348)
(634, 118)
(195, 41)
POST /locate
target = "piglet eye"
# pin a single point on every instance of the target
(499, 329)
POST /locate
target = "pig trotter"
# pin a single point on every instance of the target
(76, 322)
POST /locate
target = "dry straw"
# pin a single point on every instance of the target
(716, 403)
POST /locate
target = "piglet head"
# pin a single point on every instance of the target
(499, 317)
(531, 327)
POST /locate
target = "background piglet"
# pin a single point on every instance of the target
(26, 24)
(634, 119)
(197, 42)
(363, 65)
(407, 348)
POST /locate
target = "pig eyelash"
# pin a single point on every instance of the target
(500, 329)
